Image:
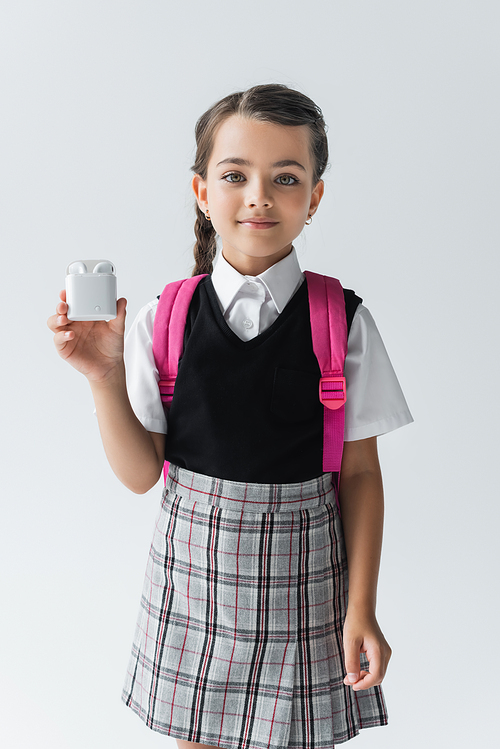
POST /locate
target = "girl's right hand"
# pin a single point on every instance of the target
(93, 347)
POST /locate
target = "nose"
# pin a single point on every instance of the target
(257, 194)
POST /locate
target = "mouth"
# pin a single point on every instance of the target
(258, 223)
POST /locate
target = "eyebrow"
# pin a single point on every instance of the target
(244, 162)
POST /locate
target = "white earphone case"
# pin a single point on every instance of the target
(91, 290)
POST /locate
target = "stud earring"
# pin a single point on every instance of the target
(207, 215)
(309, 222)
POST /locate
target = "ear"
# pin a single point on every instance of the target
(200, 190)
(316, 196)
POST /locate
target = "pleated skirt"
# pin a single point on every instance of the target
(238, 641)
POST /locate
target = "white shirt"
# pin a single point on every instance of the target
(250, 304)
(375, 402)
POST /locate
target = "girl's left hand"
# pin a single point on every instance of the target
(363, 635)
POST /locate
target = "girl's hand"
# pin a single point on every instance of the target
(363, 635)
(93, 347)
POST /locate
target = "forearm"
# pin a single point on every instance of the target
(362, 506)
(128, 445)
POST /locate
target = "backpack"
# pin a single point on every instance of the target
(329, 337)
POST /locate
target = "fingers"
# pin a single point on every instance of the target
(61, 317)
(61, 309)
(59, 320)
(58, 323)
(351, 653)
(357, 685)
(371, 678)
(117, 325)
(121, 307)
(378, 658)
(62, 339)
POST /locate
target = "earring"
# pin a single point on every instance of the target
(207, 216)
(309, 222)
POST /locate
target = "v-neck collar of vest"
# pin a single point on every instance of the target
(259, 339)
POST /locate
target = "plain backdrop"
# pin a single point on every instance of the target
(98, 105)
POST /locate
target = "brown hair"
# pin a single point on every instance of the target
(272, 102)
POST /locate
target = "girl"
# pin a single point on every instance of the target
(257, 624)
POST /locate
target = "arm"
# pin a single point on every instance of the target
(362, 505)
(96, 350)
(135, 455)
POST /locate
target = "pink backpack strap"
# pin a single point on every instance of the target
(168, 335)
(329, 336)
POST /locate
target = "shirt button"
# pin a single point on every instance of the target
(247, 324)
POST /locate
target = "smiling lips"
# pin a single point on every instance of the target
(258, 222)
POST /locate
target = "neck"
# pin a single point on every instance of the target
(253, 266)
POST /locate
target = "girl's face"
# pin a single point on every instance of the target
(258, 170)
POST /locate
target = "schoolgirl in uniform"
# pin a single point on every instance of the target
(257, 623)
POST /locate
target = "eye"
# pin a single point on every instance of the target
(288, 176)
(233, 181)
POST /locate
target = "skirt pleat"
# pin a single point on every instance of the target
(238, 641)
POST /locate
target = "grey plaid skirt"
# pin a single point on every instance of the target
(238, 641)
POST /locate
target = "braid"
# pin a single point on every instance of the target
(205, 246)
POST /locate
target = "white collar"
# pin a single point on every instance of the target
(281, 280)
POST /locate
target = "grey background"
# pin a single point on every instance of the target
(98, 106)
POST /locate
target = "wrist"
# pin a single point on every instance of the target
(114, 378)
(361, 608)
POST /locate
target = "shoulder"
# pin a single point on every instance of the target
(144, 319)
(193, 282)
(352, 303)
(190, 286)
(363, 327)
(351, 300)
(360, 323)
(148, 309)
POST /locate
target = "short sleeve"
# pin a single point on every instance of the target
(142, 373)
(375, 403)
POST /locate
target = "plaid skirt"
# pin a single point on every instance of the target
(238, 642)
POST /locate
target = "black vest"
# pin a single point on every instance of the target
(248, 410)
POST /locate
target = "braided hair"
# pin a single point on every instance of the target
(272, 102)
